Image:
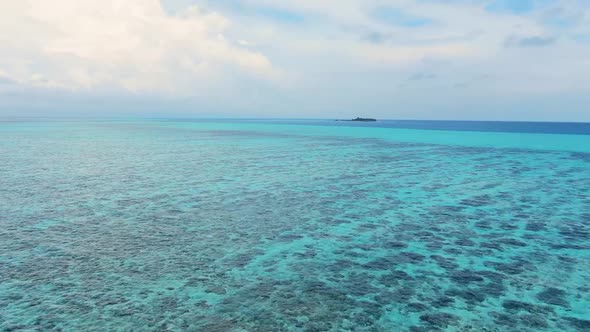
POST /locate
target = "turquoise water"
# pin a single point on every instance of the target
(205, 226)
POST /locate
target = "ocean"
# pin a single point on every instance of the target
(294, 225)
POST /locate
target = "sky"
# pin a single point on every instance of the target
(521, 60)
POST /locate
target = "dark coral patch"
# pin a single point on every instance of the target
(423, 329)
(404, 293)
(503, 319)
(399, 295)
(569, 246)
(495, 277)
(394, 245)
(580, 324)
(492, 245)
(508, 227)
(440, 319)
(445, 263)
(443, 301)
(470, 296)
(360, 288)
(384, 263)
(534, 321)
(416, 307)
(465, 242)
(410, 257)
(483, 224)
(477, 201)
(508, 268)
(289, 237)
(512, 242)
(535, 226)
(466, 276)
(575, 232)
(513, 305)
(553, 296)
(495, 289)
(215, 290)
(394, 277)
(453, 251)
(342, 265)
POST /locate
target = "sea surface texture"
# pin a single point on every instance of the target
(168, 225)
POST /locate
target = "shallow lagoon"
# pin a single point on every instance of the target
(165, 225)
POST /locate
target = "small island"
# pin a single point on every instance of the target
(361, 120)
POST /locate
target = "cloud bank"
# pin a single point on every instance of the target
(129, 44)
(467, 59)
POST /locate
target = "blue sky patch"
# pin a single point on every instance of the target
(581, 38)
(513, 6)
(269, 12)
(397, 17)
(279, 15)
(517, 6)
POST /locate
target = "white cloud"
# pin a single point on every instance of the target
(336, 56)
(129, 44)
(463, 37)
